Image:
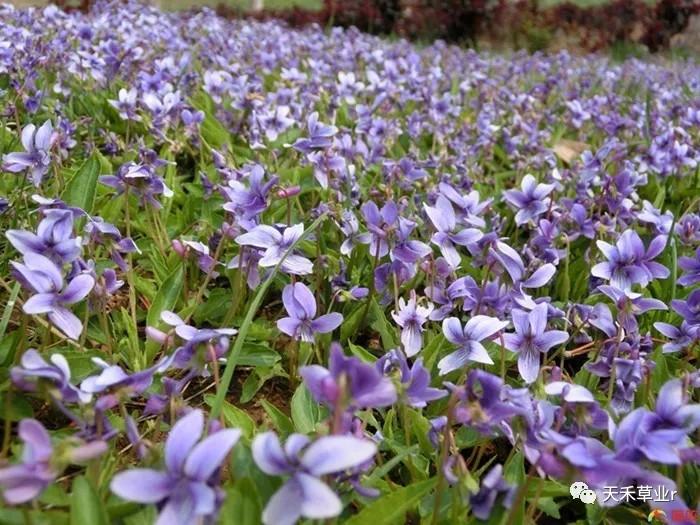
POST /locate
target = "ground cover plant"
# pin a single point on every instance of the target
(255, 274)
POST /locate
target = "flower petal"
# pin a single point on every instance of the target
(208, 455)
(318, 500)
(337, 453)
(268, 454)
(327, 323)
(141, 485)
(183, 436)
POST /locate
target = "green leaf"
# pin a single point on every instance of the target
(361, 353)
(167, 296)
(85, 506)
(306, 412)
(382, 326)
(549, 507)
(255, 354)
(392, 507)
(242, 505)
(15, 407)
(248, 321)
(80, 190)
(235, 417)
(279, 418)
(8, 346)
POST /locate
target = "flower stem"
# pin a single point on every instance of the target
(248, 321)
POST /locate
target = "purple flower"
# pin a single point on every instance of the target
(532, 338)
(415, 381)
(35, 159)
(468, 339)
(54, 238)
(379, 223)
(126, 104)
(492, 486)
(486, 402)
(276, 244)
(43, 277)
(629, 263)
(631, 304)
(140, 180)
(305, 494)
(33, 369)
(320, 136)
(411, 319)
(27, 480)
(302, 322)
(114, 377)
(348, 380)
(680, 338)
(186, 491)
(249, 201)
(639, 436)
(691, 269)
(689, 308)
(531, 202)
(442, 215)
(673, 408)
(351, 230)
(407, 250)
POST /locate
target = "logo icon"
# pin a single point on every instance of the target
(579, 490)
(656, 515)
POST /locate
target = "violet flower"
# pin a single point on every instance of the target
(689, 308)
(691, 269)
(53, 239)
(36, 158)
(52, 298)
(350, 381)
(27, 480)
(276, 244)
(251, 200)
(33, 371)
(141, 181)
(629, 263)
(531, 202)
(187, 490)
(468, 339)
(411, 317)
(415, 381)
(442, 215)
(492, 486)
(531, 338)
(305, 494)
(631, 304)
(302, 322)
(320, 135)
(680, 337)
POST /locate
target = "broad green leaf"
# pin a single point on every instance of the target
(235, 417)
(392, 507)
(242, 505)
(80, 190)
(382, 326)
(306, 412)
(85, 505)
(255, 354)
(167, 296)
(361, 353)
(279, 418)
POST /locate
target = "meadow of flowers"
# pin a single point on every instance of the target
(252, 274)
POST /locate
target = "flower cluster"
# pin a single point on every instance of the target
(278, 274)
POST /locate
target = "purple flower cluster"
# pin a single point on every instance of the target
(383, 267)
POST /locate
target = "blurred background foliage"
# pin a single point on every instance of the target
(622, 28)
